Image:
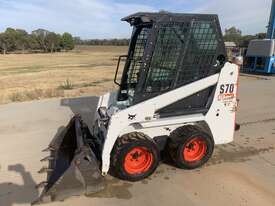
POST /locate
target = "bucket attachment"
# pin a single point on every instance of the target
(73, 165)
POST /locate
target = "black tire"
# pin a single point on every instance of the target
(179, 141)
(123, 146)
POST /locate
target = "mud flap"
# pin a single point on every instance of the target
(73, 165)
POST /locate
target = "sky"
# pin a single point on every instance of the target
(91, 19)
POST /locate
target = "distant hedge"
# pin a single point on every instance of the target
(111, 42)
(40, 40)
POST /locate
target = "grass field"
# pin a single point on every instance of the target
(87, 70)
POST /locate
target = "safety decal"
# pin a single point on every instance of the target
(226, 92)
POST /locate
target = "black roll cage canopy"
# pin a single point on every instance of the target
(154, 21)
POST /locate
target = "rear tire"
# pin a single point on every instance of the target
(189, 147)
(134, 157)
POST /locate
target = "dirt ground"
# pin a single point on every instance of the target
(84, 71)
(240, 173)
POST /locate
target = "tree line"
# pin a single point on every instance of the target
(231, 34)
(235, 35)
(39, 40)
(103, 42)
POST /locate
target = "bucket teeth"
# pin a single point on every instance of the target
(48, 149)
(48, 158)
(44, 170)
(41, 184)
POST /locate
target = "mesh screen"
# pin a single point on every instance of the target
(184, 50)
(169, 42)
(200, 55)
(135, 60)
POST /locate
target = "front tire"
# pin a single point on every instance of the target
(134, 157)
(190, 147)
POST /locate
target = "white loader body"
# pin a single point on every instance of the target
(141, 117)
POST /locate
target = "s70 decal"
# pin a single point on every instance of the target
(227, 88)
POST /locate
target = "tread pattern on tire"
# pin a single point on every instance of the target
(179, 136)
(119, 146)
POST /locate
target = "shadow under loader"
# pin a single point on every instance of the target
(11, 193)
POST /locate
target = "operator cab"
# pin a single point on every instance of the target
(168, 51)
(134, 61)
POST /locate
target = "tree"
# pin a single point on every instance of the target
(3, 43)
(162, 11)
(233, 31)
(67, 41)
(77, 40)
(261, 35)
(233, 34)
(33, 42)
(21, 39)
(40, 36)
(52, 42)
(245, 40)
(10, 39)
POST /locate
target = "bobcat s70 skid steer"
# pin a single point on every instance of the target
(177, 93)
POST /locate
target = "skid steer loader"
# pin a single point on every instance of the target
(177, 93)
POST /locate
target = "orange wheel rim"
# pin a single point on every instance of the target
(194, 149)
(138, 160)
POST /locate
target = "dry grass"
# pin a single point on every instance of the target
(87, 70)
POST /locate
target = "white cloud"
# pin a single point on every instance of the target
(251, 16)
(85, 18)
(101, 18)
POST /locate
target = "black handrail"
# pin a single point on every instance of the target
(118, 63)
